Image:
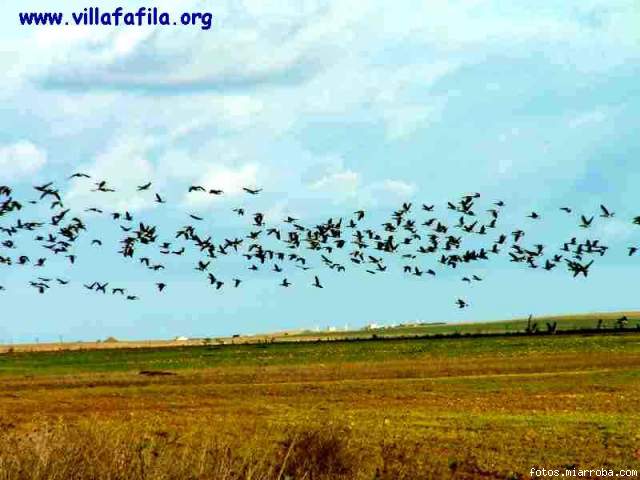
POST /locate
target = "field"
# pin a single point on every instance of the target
(565, 323)
(457, 407)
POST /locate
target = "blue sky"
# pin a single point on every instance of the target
(329, 106)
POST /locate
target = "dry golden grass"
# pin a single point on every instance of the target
(149, 450)
(72, 346)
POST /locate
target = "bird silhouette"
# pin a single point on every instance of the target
(586, 222)
(79, 175)
(102, 187)
(605, 212)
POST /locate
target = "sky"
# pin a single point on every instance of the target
(329, 106)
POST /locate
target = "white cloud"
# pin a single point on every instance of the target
(586, 118)
(342, 184)
(250, 47)
(327, 178)
(398, 187)
(345, 182)
(402, 121)
(124, 165)
(222, 177)
(20, 160)
(390, 76)
(277, 212)
(614, 230)
(256, 42)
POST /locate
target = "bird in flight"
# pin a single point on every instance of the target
(586, 222)
(102, 187)
(79, 175)
(605, 212)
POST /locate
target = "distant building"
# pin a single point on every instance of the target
(372, 326)
(181, 339)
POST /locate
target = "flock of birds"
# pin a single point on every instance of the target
(413, 235)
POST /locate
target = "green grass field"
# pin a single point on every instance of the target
(458, 407)
(564, 323)
(301, 353)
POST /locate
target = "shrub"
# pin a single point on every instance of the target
(317, 453)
